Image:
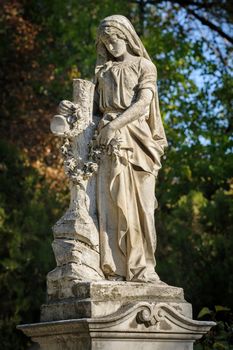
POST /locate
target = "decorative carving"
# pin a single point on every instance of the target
(158, 324)
(146, 316)
(72, 164)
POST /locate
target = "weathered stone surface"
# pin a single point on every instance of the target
(125, 291)
(59, 125)
(143, 326)
(102, 298)
(72, 267)
(76, 244)
(71, 251)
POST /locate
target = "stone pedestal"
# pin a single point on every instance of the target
(104, 298)
(118, 315)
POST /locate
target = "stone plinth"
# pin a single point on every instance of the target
(139, 326)
(103, 298)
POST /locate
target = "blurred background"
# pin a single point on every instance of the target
(44, 44)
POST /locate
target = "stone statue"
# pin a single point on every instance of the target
(128, 102)
(104, 292)
(127, 140)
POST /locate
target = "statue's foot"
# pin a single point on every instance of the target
(152, 277)
(149, 278)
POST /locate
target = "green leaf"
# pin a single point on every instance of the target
(221, 308)
(220, 346)
(204, 312)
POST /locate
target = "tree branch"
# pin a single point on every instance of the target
(204, 21)
(186, 5)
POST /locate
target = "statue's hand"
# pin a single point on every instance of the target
(66, 108)
(106, 134)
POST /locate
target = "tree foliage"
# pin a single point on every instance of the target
(44, 44)
(27, 210)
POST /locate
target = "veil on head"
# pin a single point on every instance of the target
(123, 25)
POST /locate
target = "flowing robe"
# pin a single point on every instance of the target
(126, 180)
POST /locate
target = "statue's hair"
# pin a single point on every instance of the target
(109, 30)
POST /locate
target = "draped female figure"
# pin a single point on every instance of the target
(132, 134)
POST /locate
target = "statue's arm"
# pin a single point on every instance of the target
(136, 110)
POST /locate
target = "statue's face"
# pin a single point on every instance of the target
(115, 45)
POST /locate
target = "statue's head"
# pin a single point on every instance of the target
(116, 35)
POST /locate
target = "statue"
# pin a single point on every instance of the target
(104, 292)
(128, 101)
(126, 141)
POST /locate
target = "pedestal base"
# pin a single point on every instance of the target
(142, 326)
(98, 299)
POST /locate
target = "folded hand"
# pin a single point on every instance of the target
(106, 135)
